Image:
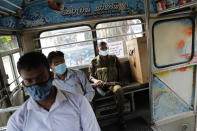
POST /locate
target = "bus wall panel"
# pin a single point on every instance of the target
(41, 14)
(165, 102)
(9, 22)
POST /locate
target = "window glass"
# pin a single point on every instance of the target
(16, 57)
(116, 34)
(168, 49)
(9, 71)
(8, 43)
(76, 44)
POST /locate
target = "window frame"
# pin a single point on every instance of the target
(153, 42)
(11, 34)
(12, 64)
(73, 26)
(143, 29)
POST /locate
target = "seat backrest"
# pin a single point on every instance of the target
(125, 71)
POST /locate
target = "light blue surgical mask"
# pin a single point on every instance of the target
(40, 92)
(60, 69)
(103, 52)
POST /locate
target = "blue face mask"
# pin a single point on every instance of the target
(60, 69)
(40, 92)
(103, 52)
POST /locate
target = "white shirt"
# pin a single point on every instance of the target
(75, 82)
(69, 112)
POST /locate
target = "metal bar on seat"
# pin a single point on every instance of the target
(9, 109)
(3, 128)
(91, 40)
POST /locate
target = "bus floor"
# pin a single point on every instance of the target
(137, 124)
(136, 121)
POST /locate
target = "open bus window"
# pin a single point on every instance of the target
(8, 42)
(9, 50)
(117, 33)
(76, 43)
(9, 71)
(168, 49)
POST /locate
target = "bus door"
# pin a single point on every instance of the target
(173, 70)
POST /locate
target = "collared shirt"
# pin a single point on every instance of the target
(69, 112)
(75, 82)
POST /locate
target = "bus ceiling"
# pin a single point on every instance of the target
(21, 14)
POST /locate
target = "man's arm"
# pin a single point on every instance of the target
(92, 78)
(88, 119)
(89, 91)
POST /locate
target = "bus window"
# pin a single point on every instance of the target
(179, 48)
(76, 43)
(117, 33)
(9, 50)
(8, 43)
(9, 71)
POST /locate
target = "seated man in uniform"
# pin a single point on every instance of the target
(106, 68)
(67, 79)
(49, 109)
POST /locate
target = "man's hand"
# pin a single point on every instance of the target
(99, 82)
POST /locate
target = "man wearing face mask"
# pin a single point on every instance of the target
(106, 68)
(67, 79)
(49, 109)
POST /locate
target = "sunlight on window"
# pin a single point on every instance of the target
(78, 47)
(117, 33)
(8, 43)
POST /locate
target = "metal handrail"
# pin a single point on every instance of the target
(88, 31)
(16, 89)
(11, 83)
(91, 40)
(9, 109)
(14, 80)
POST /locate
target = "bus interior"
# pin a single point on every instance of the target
(154, 40)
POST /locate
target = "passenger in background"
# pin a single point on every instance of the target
(49, 109)
(106, 68)
(67, 79)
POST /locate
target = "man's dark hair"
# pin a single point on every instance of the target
(32, 60)
(102, 44)
(54, 54)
